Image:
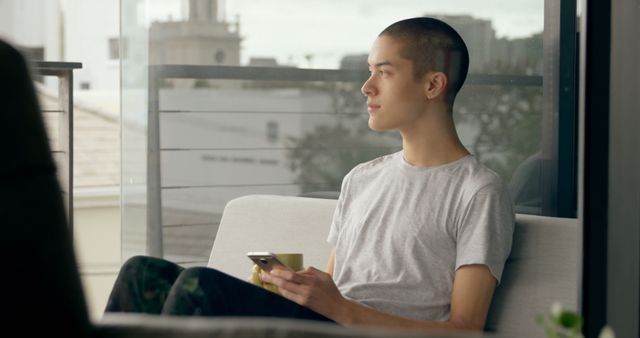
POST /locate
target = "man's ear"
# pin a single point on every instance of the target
(435, 84)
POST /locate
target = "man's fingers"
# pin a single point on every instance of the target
(292, 296)
(316, 274)
(275, 279)
(289, 289)
(288, 275)
(298, 293)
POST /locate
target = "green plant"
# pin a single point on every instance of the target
(561, 323)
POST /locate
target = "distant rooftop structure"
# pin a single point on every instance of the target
(203, 39)
(356, 62)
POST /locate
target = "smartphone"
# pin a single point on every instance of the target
(267, 261)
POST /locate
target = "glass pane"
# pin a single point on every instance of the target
(224, 99)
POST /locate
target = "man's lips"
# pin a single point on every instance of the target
(372, 107)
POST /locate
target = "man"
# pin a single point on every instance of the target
(420, 236)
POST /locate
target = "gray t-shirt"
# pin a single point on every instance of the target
(401, 232)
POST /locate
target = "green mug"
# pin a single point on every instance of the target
(292, 260)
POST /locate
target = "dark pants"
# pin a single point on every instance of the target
(153, 285)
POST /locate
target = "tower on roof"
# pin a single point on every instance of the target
(203, 10)
(200, 39)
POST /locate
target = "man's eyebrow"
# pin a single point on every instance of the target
(380, 64)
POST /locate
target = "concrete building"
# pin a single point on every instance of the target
(488, 53)
(49, 31)
(478, 34)
(523, 54)
(202, 39)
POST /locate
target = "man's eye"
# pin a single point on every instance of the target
(378, 72)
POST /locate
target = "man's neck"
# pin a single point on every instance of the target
(432, 141)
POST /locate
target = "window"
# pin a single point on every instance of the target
(298, 72)
(219, 57)
(272, 131)
(115, 44)
(114, 49)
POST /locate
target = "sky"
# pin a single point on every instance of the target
(326, 30)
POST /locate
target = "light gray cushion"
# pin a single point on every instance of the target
(543, 267)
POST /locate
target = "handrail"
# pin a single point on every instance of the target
(301, 74)
(64, 72)
(55, 65)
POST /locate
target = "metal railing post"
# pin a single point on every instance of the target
(64, 72)
(154, 191)
(65, 94)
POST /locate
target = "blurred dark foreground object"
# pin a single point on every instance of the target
(40, 278)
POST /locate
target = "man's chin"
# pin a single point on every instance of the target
(376, 126)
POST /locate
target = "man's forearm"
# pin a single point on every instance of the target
(354, 314)
(317, 291)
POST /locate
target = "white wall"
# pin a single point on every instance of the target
(16, 16)
(97, 241)
(88, 26)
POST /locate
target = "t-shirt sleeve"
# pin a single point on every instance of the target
(336, 223)
(485, 232)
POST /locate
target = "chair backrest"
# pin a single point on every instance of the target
(40, 280)
(272, 223)
(542, 268)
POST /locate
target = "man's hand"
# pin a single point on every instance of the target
(472, 292)
(311, 288)
(473, 288)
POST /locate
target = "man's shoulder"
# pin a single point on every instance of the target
(477, 176)
(375, 164)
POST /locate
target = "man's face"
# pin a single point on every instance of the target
(395, 99)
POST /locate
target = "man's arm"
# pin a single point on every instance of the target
(473, 288)
(332, 262)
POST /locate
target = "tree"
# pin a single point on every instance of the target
(507, 119)
(325, 155)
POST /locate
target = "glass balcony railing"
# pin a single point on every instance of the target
(215, 133)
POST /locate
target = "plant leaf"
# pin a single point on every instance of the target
(569, 320)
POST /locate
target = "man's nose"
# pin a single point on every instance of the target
(367, 88)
